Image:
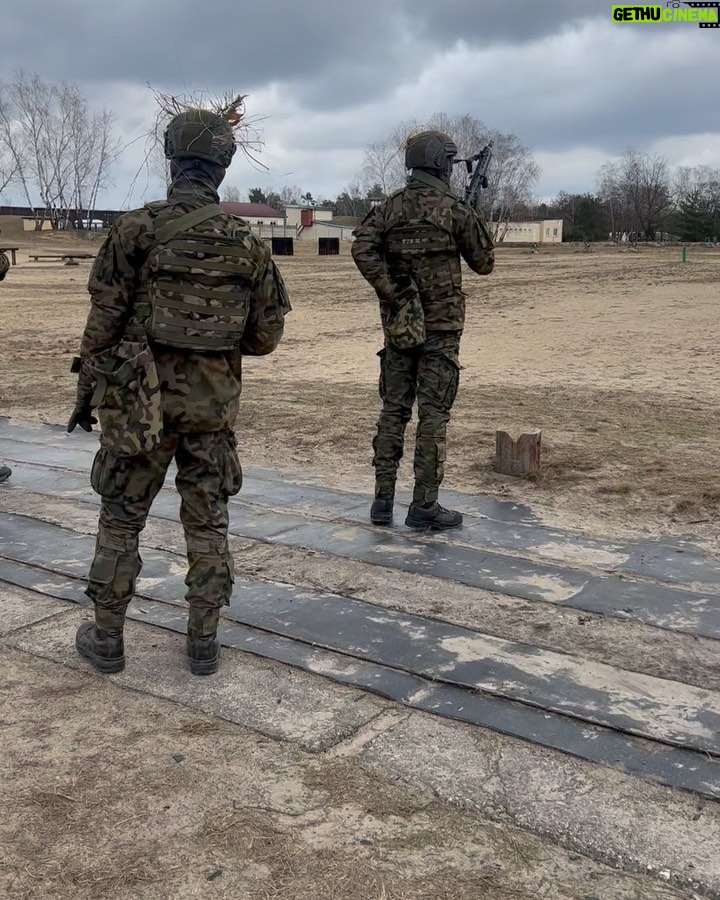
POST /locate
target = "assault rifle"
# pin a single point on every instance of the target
(478, 175)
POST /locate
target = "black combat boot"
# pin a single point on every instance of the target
(104, 649)
(203, 647)
(204, 654)
(381, 512)
(432, 516)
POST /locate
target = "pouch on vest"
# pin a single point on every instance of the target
(406, 244)
(404, 321)
(199, 285)
(127, 397)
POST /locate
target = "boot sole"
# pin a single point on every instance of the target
(381, 520)
(204, 666)
(423, 525)
(106, 666)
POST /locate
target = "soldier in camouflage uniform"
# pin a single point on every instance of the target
(180, 292)
(409, 249)
(5, 471)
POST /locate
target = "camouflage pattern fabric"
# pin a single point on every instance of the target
(199, 391)
(159, 402)
(128, 400)
(200, 134)
(4, 265)
(429, 375)
(208, 473)
(200, 285)
(403, 318)
(416, 238)
(420, 233)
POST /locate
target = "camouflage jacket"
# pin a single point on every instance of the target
(420, 232)
(4, 266)
(199, 391)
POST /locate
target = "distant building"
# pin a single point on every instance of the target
(547, 231)
(254, 213)
(302, 223)
(312, 222)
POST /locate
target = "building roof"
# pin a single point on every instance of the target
(321, 223)
(249, 210)
(305, 206)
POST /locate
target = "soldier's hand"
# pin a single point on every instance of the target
(82, 416)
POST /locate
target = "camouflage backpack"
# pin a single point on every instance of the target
(199, 285)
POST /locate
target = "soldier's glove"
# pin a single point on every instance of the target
(82, 416)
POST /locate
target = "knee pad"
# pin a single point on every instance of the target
(112, 577)
(211, 573)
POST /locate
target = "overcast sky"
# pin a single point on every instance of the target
(330, 78)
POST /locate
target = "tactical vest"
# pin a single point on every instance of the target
(417, 239)
(425, 250)
(419, 243)
(199, 285)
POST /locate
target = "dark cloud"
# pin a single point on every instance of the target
(336, 76)
(225, 42)
(218, 42)
(479, 23)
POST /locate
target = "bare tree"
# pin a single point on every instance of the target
(42, 113)
(7, 172)
(61, 153)
(512, 175)
(12, 138)
(613, 196)
(637, 189)
(274, 200)
(647, 182)
(231, 194)
(704, 179)
(8, 165)
(353, 202)
(93, 151)
(697, 203)
(291, 195)
(384, 161)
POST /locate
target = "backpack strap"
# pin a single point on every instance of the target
(176, 226)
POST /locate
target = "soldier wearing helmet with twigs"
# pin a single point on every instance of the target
(179, 291)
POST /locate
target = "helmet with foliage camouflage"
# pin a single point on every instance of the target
(430, 150)
(200, 134)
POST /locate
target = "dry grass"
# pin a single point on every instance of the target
(347, 872)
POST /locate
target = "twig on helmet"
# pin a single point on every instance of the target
(230, 106)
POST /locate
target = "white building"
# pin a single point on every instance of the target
(547, 231)
(311, 223)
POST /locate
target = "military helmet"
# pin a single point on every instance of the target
(430, 150)
(200, 134)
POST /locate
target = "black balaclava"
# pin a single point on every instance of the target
(187, 175)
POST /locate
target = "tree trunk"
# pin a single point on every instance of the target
(520, 456)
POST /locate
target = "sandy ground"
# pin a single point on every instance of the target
(108, 790)
(613, 354)
(111, 791)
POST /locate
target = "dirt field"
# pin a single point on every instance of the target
(613, 354)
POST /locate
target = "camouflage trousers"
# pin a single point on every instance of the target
(430, 375)
(208, 472)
